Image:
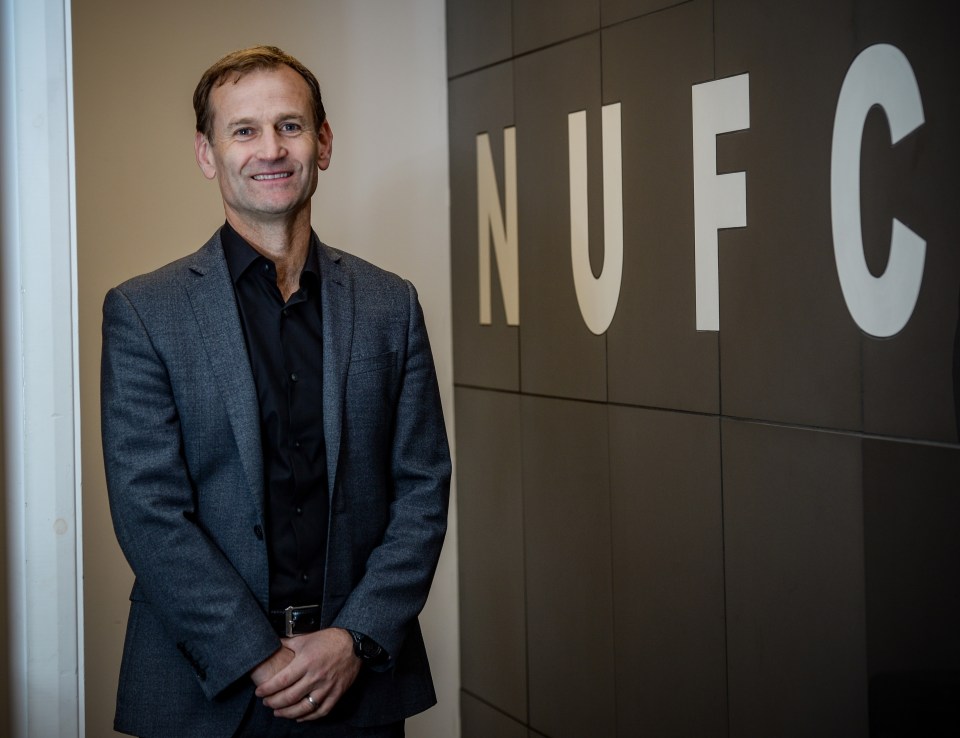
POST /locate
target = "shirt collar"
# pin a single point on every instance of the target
(240, 255)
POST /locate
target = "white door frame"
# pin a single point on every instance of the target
(39, 365)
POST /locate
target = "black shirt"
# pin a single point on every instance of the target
(285, 345)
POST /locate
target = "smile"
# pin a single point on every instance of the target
(262, 177)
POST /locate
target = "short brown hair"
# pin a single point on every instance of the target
(241, 62)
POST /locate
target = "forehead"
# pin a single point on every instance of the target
(262, 93)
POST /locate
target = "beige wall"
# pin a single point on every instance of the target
(4, 646)
(141, 202)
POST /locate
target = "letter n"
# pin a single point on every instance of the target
(490, 220)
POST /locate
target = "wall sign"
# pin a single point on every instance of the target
(880, 305)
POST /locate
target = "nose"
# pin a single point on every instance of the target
(271, 145)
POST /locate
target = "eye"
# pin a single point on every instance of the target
(245, 132)
(290, 127)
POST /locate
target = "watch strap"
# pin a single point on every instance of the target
(367, 649)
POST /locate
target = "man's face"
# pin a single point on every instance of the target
(264, 148)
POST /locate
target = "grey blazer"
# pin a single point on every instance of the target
(181, 443)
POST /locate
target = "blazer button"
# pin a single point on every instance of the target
(258, 532)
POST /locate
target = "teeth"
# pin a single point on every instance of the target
(261, 177)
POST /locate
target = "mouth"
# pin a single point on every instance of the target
(268, 177)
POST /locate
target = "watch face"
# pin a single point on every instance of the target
(370, 649)
(366, 648)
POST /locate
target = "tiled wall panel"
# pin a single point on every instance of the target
(483, 355)
(911, 509)
(566, 496)
(667, 573)
(793, 531)
(790, 351)
(558, 354)
(911, 384)
(493, 649)
(655, 355)
(672, 532)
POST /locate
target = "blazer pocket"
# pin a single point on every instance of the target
(372, 363)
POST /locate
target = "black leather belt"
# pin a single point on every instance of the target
(295, 620)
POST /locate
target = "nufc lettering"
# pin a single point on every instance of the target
(880, 306)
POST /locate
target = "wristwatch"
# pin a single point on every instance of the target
(369, 651)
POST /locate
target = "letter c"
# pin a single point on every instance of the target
(881, 306)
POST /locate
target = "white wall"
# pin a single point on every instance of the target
(38, 593)
(141, 202)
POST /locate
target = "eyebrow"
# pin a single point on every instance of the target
(247, 121)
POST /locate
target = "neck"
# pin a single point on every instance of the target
(284, 242)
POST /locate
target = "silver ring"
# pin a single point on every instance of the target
(313, 702)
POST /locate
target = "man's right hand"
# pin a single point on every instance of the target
(325, 664)
(272, 665)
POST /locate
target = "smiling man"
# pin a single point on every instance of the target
(276, 458)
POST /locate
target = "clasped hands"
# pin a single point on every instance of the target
(320, 665)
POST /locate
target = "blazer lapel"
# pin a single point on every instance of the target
(336, 294)
(211, 295)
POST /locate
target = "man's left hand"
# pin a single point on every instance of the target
(323, 667)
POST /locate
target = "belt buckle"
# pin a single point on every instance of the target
(290, 616)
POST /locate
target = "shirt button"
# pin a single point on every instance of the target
(296, 444)
(294, 377)
(258, 532)
(284, 312)
(299, 511)
(304, 578)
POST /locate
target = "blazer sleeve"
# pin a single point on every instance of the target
(399, 571)
(205, 606)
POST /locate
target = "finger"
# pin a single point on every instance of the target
(325, 707)
(329, 693)
(302, 710)
(283, 679)
(290, 698)
(298, 708)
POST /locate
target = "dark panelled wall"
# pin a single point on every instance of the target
(752, 531)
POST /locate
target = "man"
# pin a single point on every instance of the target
(276, 457)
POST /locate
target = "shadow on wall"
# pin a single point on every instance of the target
(914, 703)
(909, 703)
(956, 369)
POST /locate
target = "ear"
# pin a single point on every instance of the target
(204, 151)
(325, 147)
